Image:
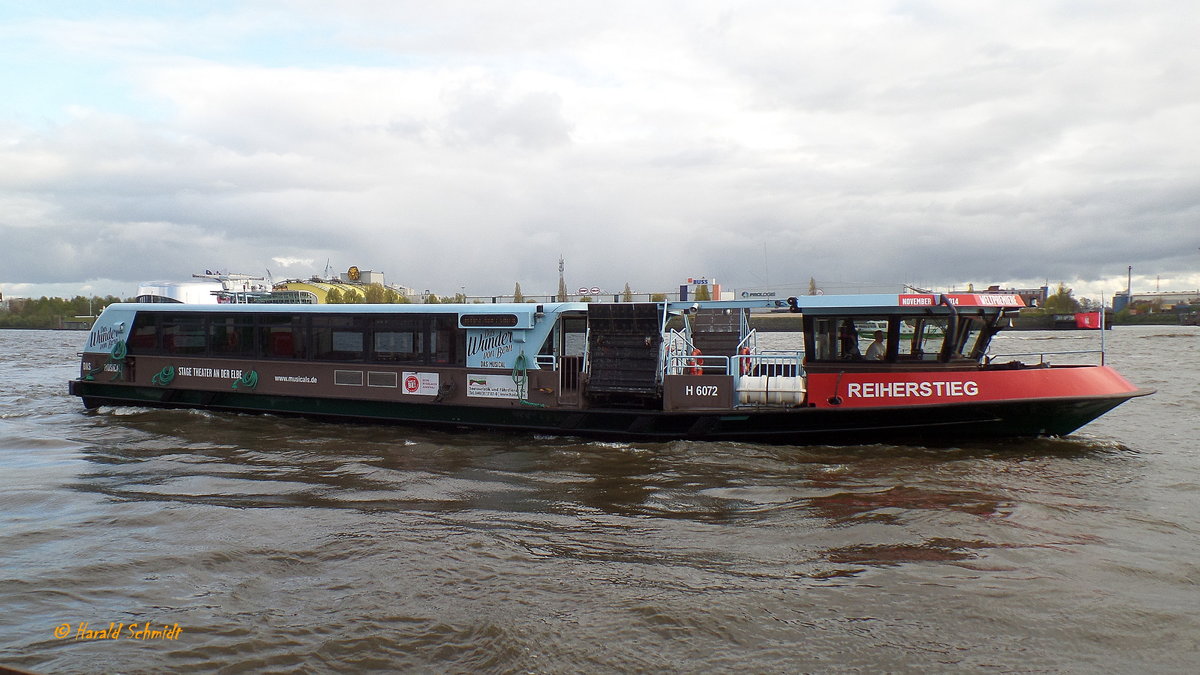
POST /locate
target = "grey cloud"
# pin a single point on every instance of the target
(486, 116)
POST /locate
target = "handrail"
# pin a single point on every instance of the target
(798, 353)
(679, 363)
(674, 335)
(739, 364)
(587, 347)
(543, 360)
(670, 353)
(777, 363)
(750, 341)
(989, 358)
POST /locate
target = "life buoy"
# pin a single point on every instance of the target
(694, 363)
(745, 362)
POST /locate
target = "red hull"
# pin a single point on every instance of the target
(873, 390)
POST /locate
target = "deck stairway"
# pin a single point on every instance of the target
(623, 349)
(717, 332)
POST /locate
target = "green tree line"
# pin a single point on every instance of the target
(53, 312)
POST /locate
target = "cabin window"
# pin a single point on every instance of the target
(338, 337)
(184, 334)
(143, 338)
(547, 348)
(231, 335)
(281, 336)
(443, 339)
(574, 336)
(415, 339)
(398, 338)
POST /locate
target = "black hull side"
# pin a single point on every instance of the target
(932, 424)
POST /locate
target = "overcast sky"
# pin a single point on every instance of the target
(467, 145)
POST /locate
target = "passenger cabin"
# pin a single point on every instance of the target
(665, 356)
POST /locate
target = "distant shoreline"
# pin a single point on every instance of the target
(790, 323)
(66, 330)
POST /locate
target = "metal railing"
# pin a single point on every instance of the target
(989, 359)
(749, 342)
(677, 359)
(771, 362)
(684, 364)
(675, 350)
(773, 378)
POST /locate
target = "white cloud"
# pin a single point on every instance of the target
(293, 262)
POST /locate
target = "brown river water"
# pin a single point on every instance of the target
(264, 544)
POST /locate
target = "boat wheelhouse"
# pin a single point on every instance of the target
(864, 368)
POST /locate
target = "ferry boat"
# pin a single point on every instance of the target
(660, 371)
(1076, 321)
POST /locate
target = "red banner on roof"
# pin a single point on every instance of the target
(964, 299)
(917, 301)
(986, 299)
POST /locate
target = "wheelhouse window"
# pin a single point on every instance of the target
(970, 338)
(921, 338)
(824, 346)
(849, 338)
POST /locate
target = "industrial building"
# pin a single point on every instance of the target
(1164, 301)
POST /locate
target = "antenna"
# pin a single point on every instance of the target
(562, 283)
